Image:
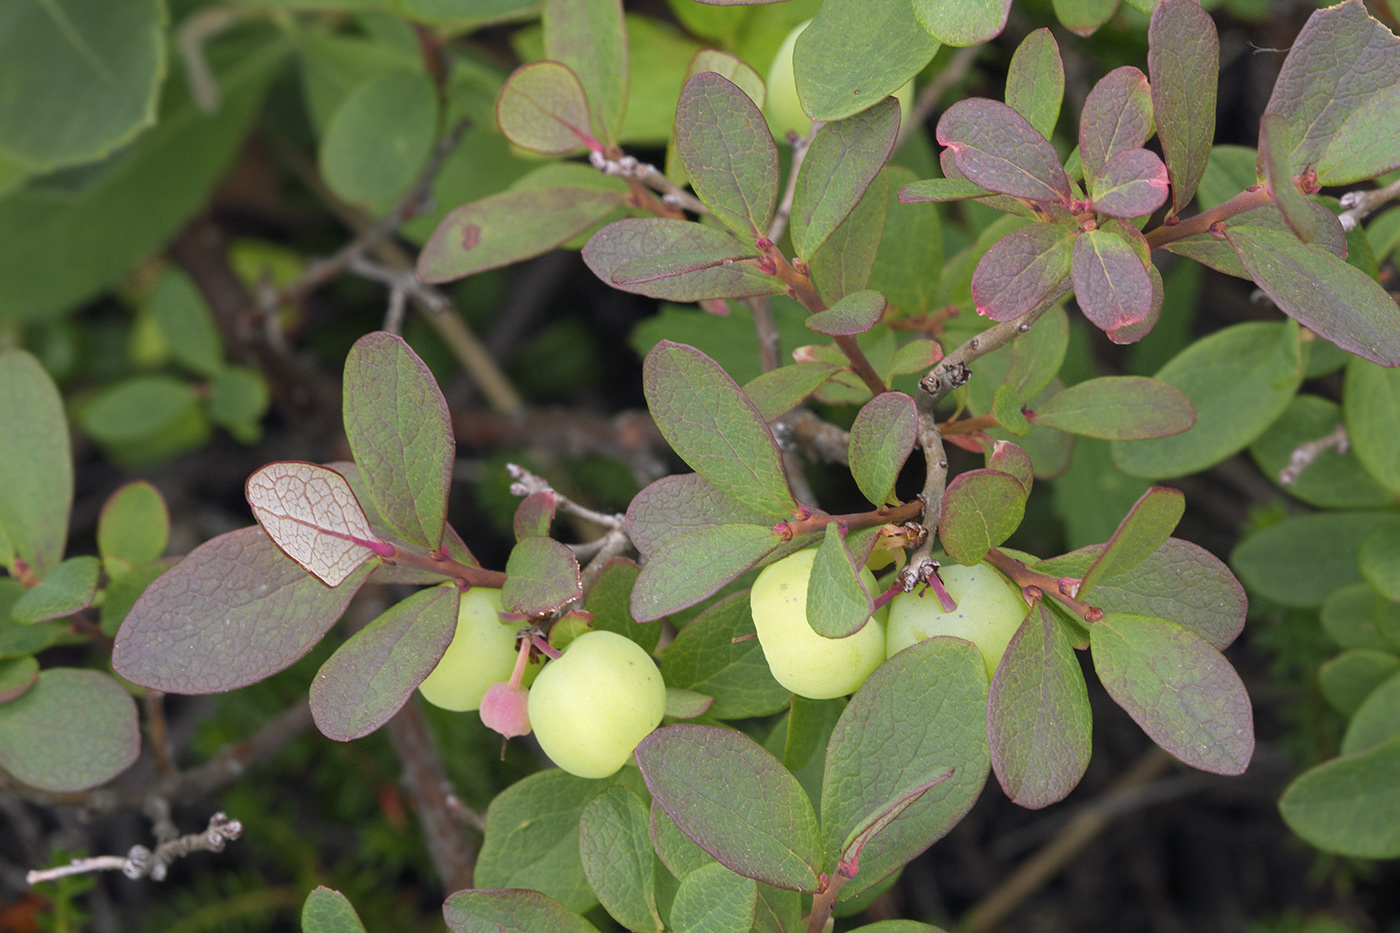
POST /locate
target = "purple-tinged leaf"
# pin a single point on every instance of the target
(589, 36)
(534, 514)
(981, 508)
(1117, 117)
(311, 513)
(1275, 148)
(779, 391)
(727, 66)
(838, 604)
(1035, 82)
(1183, 59)
(846, 261)
(993, 146)
(711, 263)
(1132, 333)
(508, 227)
(922, 712)
(1084, 17)
(873, 824)
(881, 439)
(842, 161)
(686, 704)
(1349, 805)
(675, 505)
(736, 801)
(71, 731)
(542, 108)
(1333, 299)
(236, 610)
(36, 472)
(724, 142)
(940, 189)
(962, 22)
(1038, 716)
(17, 675)
(1180, 690)
(541, 576)
(1339, 89)
(614, 842)
(1143, 531)
(854, 314)
(400, 432)
(375, 672)
(1008, 458)
(708, 421)
(677, 852)
(1216, 252)
(947, 160)
(476, 911)
(882, 50)
(69, 588)
(1132, 183)
(1023, 271)
(1111, 283)
(706, 658)
(1119, 408)
(694, 565)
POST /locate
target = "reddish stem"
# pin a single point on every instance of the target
(446, 567)
(1247, 200)
(1050, 586)
(855, 520)
(968, 425)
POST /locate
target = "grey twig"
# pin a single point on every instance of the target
(1305, 454)
(527, 483)
(141, 862)
(1357, 205)
(649, 175)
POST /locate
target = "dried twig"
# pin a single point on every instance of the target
(800, 145)
(1357, 205)
(1305, 454)
(631, 167)
(439, 809)
(141, 862)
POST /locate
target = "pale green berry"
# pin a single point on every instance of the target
(990, 609)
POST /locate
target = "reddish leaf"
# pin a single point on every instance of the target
(1024, 270)
(981, 508)
(728, 152)
(1133, 183)
(542, 108)
(996, 148)
(235, 611)
(1117, 117)
(1217, 253)
(1183, 58)
(1143, 531)
(675, 505)
(1008, 458)
(541, 576)
(1132, 333)
(676, 260)
(590, 37)
(1111, 282)
(534, 514)
(312, 515)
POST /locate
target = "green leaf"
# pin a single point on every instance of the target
(91, 75)
(610, 602)
(724, 64)
(1025, 270)
(898, 926)
(838, 604)
(16, 677)
(910, 256)
(1275, 147)
(724, 142)
(1217, 253)
(1083, 17)
(706, 419)
(713, 899)
(842, 161)
(36, 474)
(996, 148)
(687, 704)
(1117, 117)
(705, 657)
(764, 830)
(508, 227)
(941, 189)
(677, 505)
(677, 260)
(1371, 403)
(924, 711)
(854, 314)
(400, 432)
(589, 36)
(121, 593)
(1180, 690)
(71, 731)
(962, 22)
(1119, 408)
(882, 438)
(1239, 380)
(372, 675)
(187, 323)
(1349, 678)
(67, 589)
(136, 408)
(1143, 531)
(693, 565)
(880, 819)
(327, 911)
(1379, 558)
(981, 508)
(779, 391)
(1333, 479)
(1352, 617)
(1329, 297)
(380, 137)
(1339, 89)
(677, 852)
(846, 260)
(238, 399)
(1111, 282)
(1183, 60)
(1038, 716)
(542, 108)
(1035, 82)
(541, 576)
(527, 911)
(615, 847)
(1349, 805)
(235, 611)
(1377, 720)
(882, 49)
(1268, 561)
(1006, 408)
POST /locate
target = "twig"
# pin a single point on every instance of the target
(769, 341)
(783, 214)
(141, 862)
(161, 749)
(1357, 205)
(526, 483)
(951, 371)
(634, 169)
(820, 440)
(453, 855)
(194, 33)
(929, 97)
(1305, 454)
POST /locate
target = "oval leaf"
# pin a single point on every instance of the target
(842, 161)
(677, 260)
(981, 508)
(996, 148)
(708, 658)
(541, 576)
(1144, 530)
(36, 474)
(327, 911)
(542, 108)
(882, 438)
(838, 604)
(728, 152)
(1119, 408)
(882, 49)
(494, 911)
(1133, 183)
(69, 588)
(1349, 805)
(962, 22)
(614, 840)
(313, 516)
(1183, 60)
(854, 314)
(1117, 117)
(1035, 82)
(1023, 271)
(71, 731)
(1111, 282)
(380, 137)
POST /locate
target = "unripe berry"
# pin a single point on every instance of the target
(989, 611)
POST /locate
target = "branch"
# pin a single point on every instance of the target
(141, 862)
(1357, 205)
(952, 372)
(438, 807)
(1246, 200)
(1025, 577)
(630, 436)
(631, 168)
(1305, 454)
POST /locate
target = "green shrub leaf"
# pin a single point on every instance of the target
(1035, 82)
(981, 508)
(676, 260)
(67, 589)
(522, 910)
(962, 22)
(1268, 561)
(842, 160)
(1349, 805)
(1119, 408)
(327, 911)
(542, 108)
(882, 49)
(36, 474)
(71, 731)
(615, 847)
(1183, 60)
(590, 37)
(713, 899)
(706, 658)
(541, 576)
(728, 153)
(838, 604)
